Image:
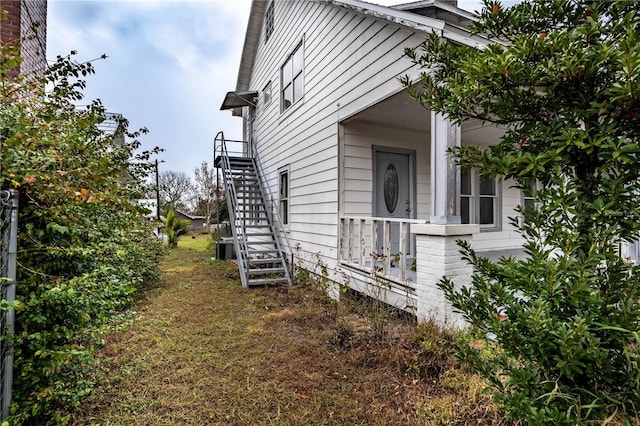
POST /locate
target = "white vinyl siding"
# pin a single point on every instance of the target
(351, 61)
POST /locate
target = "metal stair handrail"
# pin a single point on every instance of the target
(266, 189)
(271, 211)
(230, 190)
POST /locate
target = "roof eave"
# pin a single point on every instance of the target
(406, 19)
(251, 41)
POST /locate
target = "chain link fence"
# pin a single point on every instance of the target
(8, 252)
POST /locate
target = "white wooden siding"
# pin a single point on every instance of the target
(359, 139)
(350, 61)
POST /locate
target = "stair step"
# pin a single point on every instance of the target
(245, 199)
(271, 261)
(264, 251)
(259, 247)
(266, 271)
(268, 281)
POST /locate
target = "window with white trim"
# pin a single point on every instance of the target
(292, 79)
(479, 199)
(266, 94)
(529, 193)
(269, 19)
(283, 184)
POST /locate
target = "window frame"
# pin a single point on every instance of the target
(288, 78)
(267, 94)
(475, 196)
(284, 195)
(528, 200)
(532, 184)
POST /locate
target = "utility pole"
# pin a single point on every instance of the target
(157, 192)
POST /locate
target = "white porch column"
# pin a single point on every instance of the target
(444, 173)
(437, 256)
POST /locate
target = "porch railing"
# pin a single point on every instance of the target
(379, 247)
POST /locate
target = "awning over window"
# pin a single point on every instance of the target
(239, 99)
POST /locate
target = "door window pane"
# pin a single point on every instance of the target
(391, 188)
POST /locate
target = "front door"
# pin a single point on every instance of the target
(392, 190)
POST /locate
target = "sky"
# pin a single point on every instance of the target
(169, 65)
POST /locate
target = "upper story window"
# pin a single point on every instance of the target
(291, 75)
(479, 199)
(268, 22)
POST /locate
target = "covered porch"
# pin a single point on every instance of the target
(401, 209)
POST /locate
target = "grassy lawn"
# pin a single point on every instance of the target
(200, 350)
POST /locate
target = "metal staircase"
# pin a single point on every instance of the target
(261, 259)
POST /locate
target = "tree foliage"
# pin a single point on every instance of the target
(562, 77)
(176, 191)
(205, 191)
(83, 246)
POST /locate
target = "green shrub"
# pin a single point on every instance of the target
(562, 77)
(84, 248)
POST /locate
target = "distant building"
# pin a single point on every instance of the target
(112, 126)
(151, 205)
(25, 22)
(195, 222)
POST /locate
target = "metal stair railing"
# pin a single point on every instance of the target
(238, 231)
(271, 212)
(272, 207)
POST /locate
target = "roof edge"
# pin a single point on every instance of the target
(250, 47)
(407, 19)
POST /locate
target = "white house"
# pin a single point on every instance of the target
(363, 186)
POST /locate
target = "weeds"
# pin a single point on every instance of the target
(203, 350)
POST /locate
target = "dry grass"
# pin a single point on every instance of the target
(200, 350)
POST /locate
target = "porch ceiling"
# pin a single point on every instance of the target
(397, 111)
(401, 111)
(474, 133)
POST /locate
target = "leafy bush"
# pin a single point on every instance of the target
(563, 78)
(84, 248)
